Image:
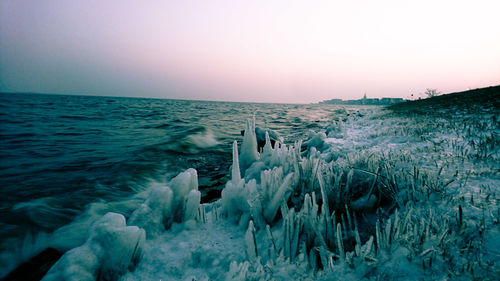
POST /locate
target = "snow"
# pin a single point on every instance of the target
(201, 253)
(377, 196)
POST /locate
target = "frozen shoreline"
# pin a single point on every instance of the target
(435, 183)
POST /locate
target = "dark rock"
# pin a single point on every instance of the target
(261, 137)
(211, 195)
(36, 267)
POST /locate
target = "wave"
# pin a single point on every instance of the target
(162, 126)
(46, 211)
(191, 141)
(80, 117)
(69, 134)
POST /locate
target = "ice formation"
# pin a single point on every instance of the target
(317, 141)
(322, 233)
(177, 201)
(249, 152)
(111, 249)
(155, 215)
(378, 196)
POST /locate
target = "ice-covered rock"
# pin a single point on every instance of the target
(111, 249)
(317, 141)
(260, 134)
(181, 185)
(263, 190)
(234, 201)
(177, 201)
(155, 214)
(335, 130)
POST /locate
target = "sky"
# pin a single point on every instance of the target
(257, 51)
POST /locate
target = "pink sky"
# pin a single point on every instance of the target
(265, 51)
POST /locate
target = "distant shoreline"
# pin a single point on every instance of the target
(364, 101)
(488, 96)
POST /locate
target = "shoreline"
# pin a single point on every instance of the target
(417, 186)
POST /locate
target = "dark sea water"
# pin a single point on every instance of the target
(59, 153)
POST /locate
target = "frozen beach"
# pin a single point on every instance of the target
(249, 140)
(376, 194)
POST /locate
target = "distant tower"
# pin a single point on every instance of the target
(364, 99)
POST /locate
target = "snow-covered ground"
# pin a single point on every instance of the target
(375, 195)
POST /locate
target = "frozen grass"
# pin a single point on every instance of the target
(382, 195)
(416, 199)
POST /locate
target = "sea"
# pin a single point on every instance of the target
(61, 153)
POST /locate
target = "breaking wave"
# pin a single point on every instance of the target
(190, 141)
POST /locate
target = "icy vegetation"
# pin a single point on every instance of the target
(374, 196)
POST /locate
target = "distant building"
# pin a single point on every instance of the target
(391, 100)
(332, 101)
(364, 101)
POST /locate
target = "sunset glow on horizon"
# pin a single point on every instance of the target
(261, 51)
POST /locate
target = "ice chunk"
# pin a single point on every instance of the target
(181, 185)
(111, 249)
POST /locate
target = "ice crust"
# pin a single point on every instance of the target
(375, 196)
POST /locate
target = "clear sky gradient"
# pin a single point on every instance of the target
(265, 51)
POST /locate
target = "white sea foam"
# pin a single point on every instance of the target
(203, 139)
